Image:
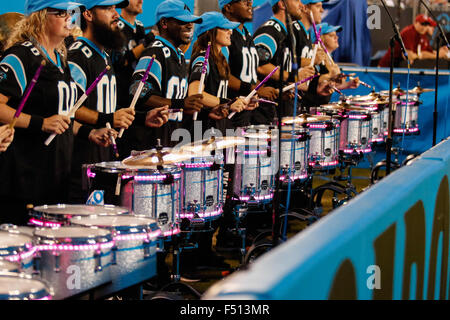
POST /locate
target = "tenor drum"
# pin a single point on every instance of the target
(255, 168)
(407, 116)
(151, 192)
(18, 248)
(60, 214)
(324, 144)
(7, 266)
(19, 286)
(356, 132)
(202, 188)
(74, 259)
(134, 252)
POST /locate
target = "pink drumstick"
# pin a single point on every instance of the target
(27, 94)
(203, 76)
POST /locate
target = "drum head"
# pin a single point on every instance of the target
(18, 286)
(80, 210)
(6, 266)
(111, 167)
(115, 221)
(13, 240)
(63, 233)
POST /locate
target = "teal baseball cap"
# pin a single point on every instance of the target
(89, 4)
(37, 5)
(324, 28)
(176, 9)
(213, 20)
(313, 1)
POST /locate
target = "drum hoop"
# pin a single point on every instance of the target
(42, 293)
(74, 240)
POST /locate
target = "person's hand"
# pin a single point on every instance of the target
(102, 137)
(412, 57)
(123, 118)
(6, 137)
(352, 84)
(56, 124)
(253, 104)
(325, 86)
(290, 95)
(443, 53)
(306, 72)
(238, 106)
(321, 55)
(193, 104)
(157, 117)
(268, 93)
(219, 112)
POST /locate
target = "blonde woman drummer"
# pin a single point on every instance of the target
(31, 172)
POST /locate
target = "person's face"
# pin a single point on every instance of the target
(58, 22)
(421, 28)
(331, 41)
(223, 37)
(134, 7)
(294, 8)
(317, 11)
(180, 32)
(241, 10)
(430, 30)
(107, 16)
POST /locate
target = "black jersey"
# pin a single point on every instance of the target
(213, 85)
(86, 62)
(168, 78)
(273, 47)
(29, 169)
(243, 60)
(124, 60)
(304, 46)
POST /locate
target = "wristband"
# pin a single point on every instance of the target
(103, 118)
(245, 88)
(177, 104)
(84, 132)
(36, 123)
(224, 101)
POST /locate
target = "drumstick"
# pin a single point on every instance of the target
(252, 94)
(292, 86)
(203, 76)
(139, 89)
(80, 101)
(319, 39)
(361, 82)
(113, 141)
(316, 47)
(267, 101)
(26, 95)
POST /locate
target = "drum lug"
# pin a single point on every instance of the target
(98, 261)
(146, 249)
(37, 264)
(169, 179)
(118, 184)
(114, 255)
(57, 256)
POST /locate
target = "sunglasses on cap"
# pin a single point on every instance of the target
(61, 13)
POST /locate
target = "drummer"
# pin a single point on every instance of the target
(216, 30)
(31, 172)
(167, 81)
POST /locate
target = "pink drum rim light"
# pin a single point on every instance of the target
(21, 256)
(76, 247)
(201, 215)
(325, 163)
(41, 223)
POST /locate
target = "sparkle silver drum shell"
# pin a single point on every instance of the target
(134, 252)
(7, 266)
(256, 164)
(407, 116)
(20, 286)
(356, 132)
(74, 259)
(143, 191)
(294, 154)
(60, 214)
(324, 144)
(18, 248)
(202, 188)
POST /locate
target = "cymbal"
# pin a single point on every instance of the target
(304, 119)
(344, 106)
(213, 143)
(373, 102)
(395, 92)
(7, 22)
(154, 158)
(371, 96)
(420, 90)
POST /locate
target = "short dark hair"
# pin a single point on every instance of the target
(83, 23)
(275, 8)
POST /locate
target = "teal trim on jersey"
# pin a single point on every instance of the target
(266, 41)
(226, 53)
(78, 75)
(155, 70)
(58, 59)
(201, 60)
(94, 46)
(303, 26)
(168, 44)
(16, 65)
(280, 23)
(127, 23)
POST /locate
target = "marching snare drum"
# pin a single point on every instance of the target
(18, 248)
(324, 144)
(202, 188)
(294, 153)
(74, 259)
(150, 192)
(19, 286)
(60, 214)
(255, 167)
(134, 253)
